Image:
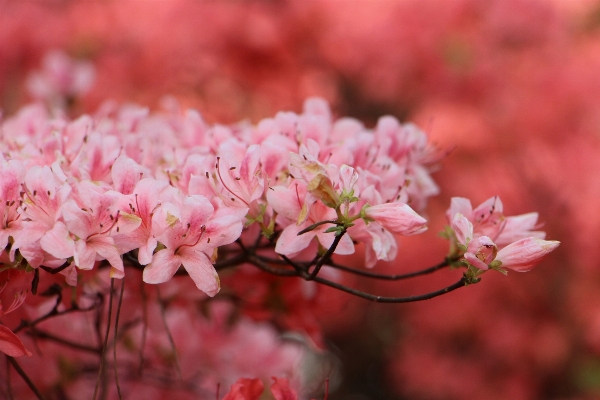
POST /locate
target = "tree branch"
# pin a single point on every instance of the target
(375, 275)
(383, 299)
(26, 378)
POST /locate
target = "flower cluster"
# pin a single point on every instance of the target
(478, 233)
(172, 190)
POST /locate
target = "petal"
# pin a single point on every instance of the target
(463, 228)
(519, 227)
(345, 246)
(11, 345)
(281, 389)
(162, 268)
(195, 212)
(125, 174)
(58, 241)
(84, 256)
(105, 247)
(70, 274)
(476, 262)
(289, 243)
(459, 205)
(287, 201)
(245, 389)
(145, 251)
(487, 208)
(200, 269)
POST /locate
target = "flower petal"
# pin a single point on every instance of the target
(162, 268)
(10, 344)
(201, 270)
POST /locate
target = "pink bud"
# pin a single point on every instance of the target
(481, 252)
(463, 228)
(397, 218)
(524, 254)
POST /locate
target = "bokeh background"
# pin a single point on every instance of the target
(511, 87)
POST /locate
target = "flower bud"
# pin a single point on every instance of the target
(524, 254)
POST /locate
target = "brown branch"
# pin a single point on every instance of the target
(102, 359)
(25, 377)
(116, 336)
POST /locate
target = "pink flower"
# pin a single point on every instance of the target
(524, 254)
(297, 210)
(92, 218)
(43, 197)
(189, 233)
(142, 203)
(240, 183)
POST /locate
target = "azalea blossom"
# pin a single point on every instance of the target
(186, 233)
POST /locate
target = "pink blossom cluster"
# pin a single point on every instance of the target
(479, 233)
(174, 189)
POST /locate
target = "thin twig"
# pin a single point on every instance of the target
(368, 296)
(273, 270)
(145, 327)
(26, 378)
(100, 370)
(231, 262)
(39, 334)
(8, 383)
(374, 275)
(327, 255)
(115, 338)
(55, 270)
(171, 341)
(383, 299)
(315, 225)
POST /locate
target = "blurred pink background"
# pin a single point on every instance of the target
(511, 86)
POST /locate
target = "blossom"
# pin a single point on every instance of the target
(92, 216)
(190, 234)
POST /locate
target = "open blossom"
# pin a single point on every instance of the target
(190, 234)
(91, 216)
(141, 203)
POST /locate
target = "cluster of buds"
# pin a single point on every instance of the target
(483, 238)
